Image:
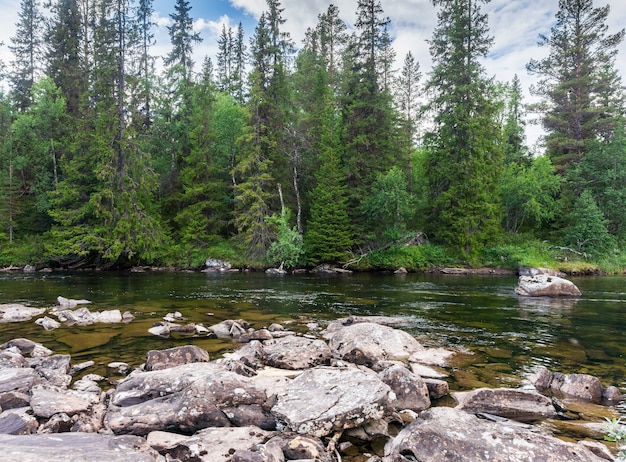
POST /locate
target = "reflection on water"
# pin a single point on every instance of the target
(508, 337)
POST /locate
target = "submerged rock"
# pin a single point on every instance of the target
(581, 386)
(172, 357)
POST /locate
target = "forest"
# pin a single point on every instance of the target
(282, 154)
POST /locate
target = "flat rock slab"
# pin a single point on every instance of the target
(164, 359)
(442, 433)
(48, 401)
(326, 399)
(14, 312)
(368, 343)
(520, 405)
(84, 447)
(210, 444)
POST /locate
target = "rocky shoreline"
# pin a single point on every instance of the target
(355, 390)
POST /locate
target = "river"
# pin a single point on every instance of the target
(502, 338)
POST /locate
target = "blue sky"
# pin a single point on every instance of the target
(514, 24)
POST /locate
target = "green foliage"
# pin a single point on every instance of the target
(529, 194)
(287, 249)
(388, 203)
(413, 258)
(519, 251)
(464, 155)
(616, 432)
(587, 231)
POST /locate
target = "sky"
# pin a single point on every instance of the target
(515, 26)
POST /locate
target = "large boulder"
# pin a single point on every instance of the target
(324, 400)
(443, 433)
(84, 447)
(510, 403)
(186, 398)
(544, 285)
(411, 390)
(369, 343)
(295, 352)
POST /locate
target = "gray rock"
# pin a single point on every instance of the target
(543, 285)
(18, 422)
(186, 398)
(368, 343)
(84, 447)
(69, 303)
(437, 388)
(14, 400)
(442, 433)
(410, 389)
(230, 328)
(581, 386)
(14, 312)
(48, 323)
(12, 358)
(432, 357)
(211, 444)
(27, 347)
(519, 405)
(49, 401)
(18, 380)
(163, 359)
(295, 352)
(324, 400)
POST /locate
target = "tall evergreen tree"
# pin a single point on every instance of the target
(464, 159)
(367, 108)
(65, 38)
(27, 49)
(581, 91)
(182, 38)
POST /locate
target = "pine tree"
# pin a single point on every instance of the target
(28, 49)
(582, 94)
(464, 159)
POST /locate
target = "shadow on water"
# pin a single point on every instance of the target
(504, 338)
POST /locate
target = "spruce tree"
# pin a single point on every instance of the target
(582, 94)
(28, 49)
(182, 38)
(464, 158)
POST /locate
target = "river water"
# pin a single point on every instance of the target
(501, 338)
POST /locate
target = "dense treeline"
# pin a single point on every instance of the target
(298, 155)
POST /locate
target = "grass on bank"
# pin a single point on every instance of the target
(512, 252)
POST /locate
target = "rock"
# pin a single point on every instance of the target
(14, 400)
(540, 271)
(612, 394)
(27, 347)
(543, 285)
(426, 371)
(432, 357)
(580, 386)
(14, 312)
(213, 444)
(48, 323)
(49, 401)
(437, 388)
(324, 400)
(255, 334)
(295, 352)
(20, 380)
(84, 447)
(230, 328)
(443, 433)
(401, 271)
(279, 271)
(368, 343)
(76, 368)
(68, 303)
(108, 316)
(514, 404)
(185, 398)
(12, 357)
(160, 330)
(18, 422)
(411, 390)
(304, 447)
(328, 269)
(163, 359)
(214, 264)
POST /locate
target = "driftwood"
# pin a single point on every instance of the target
(585, 255)
(416, 240)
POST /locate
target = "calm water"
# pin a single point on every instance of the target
(503, 338)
